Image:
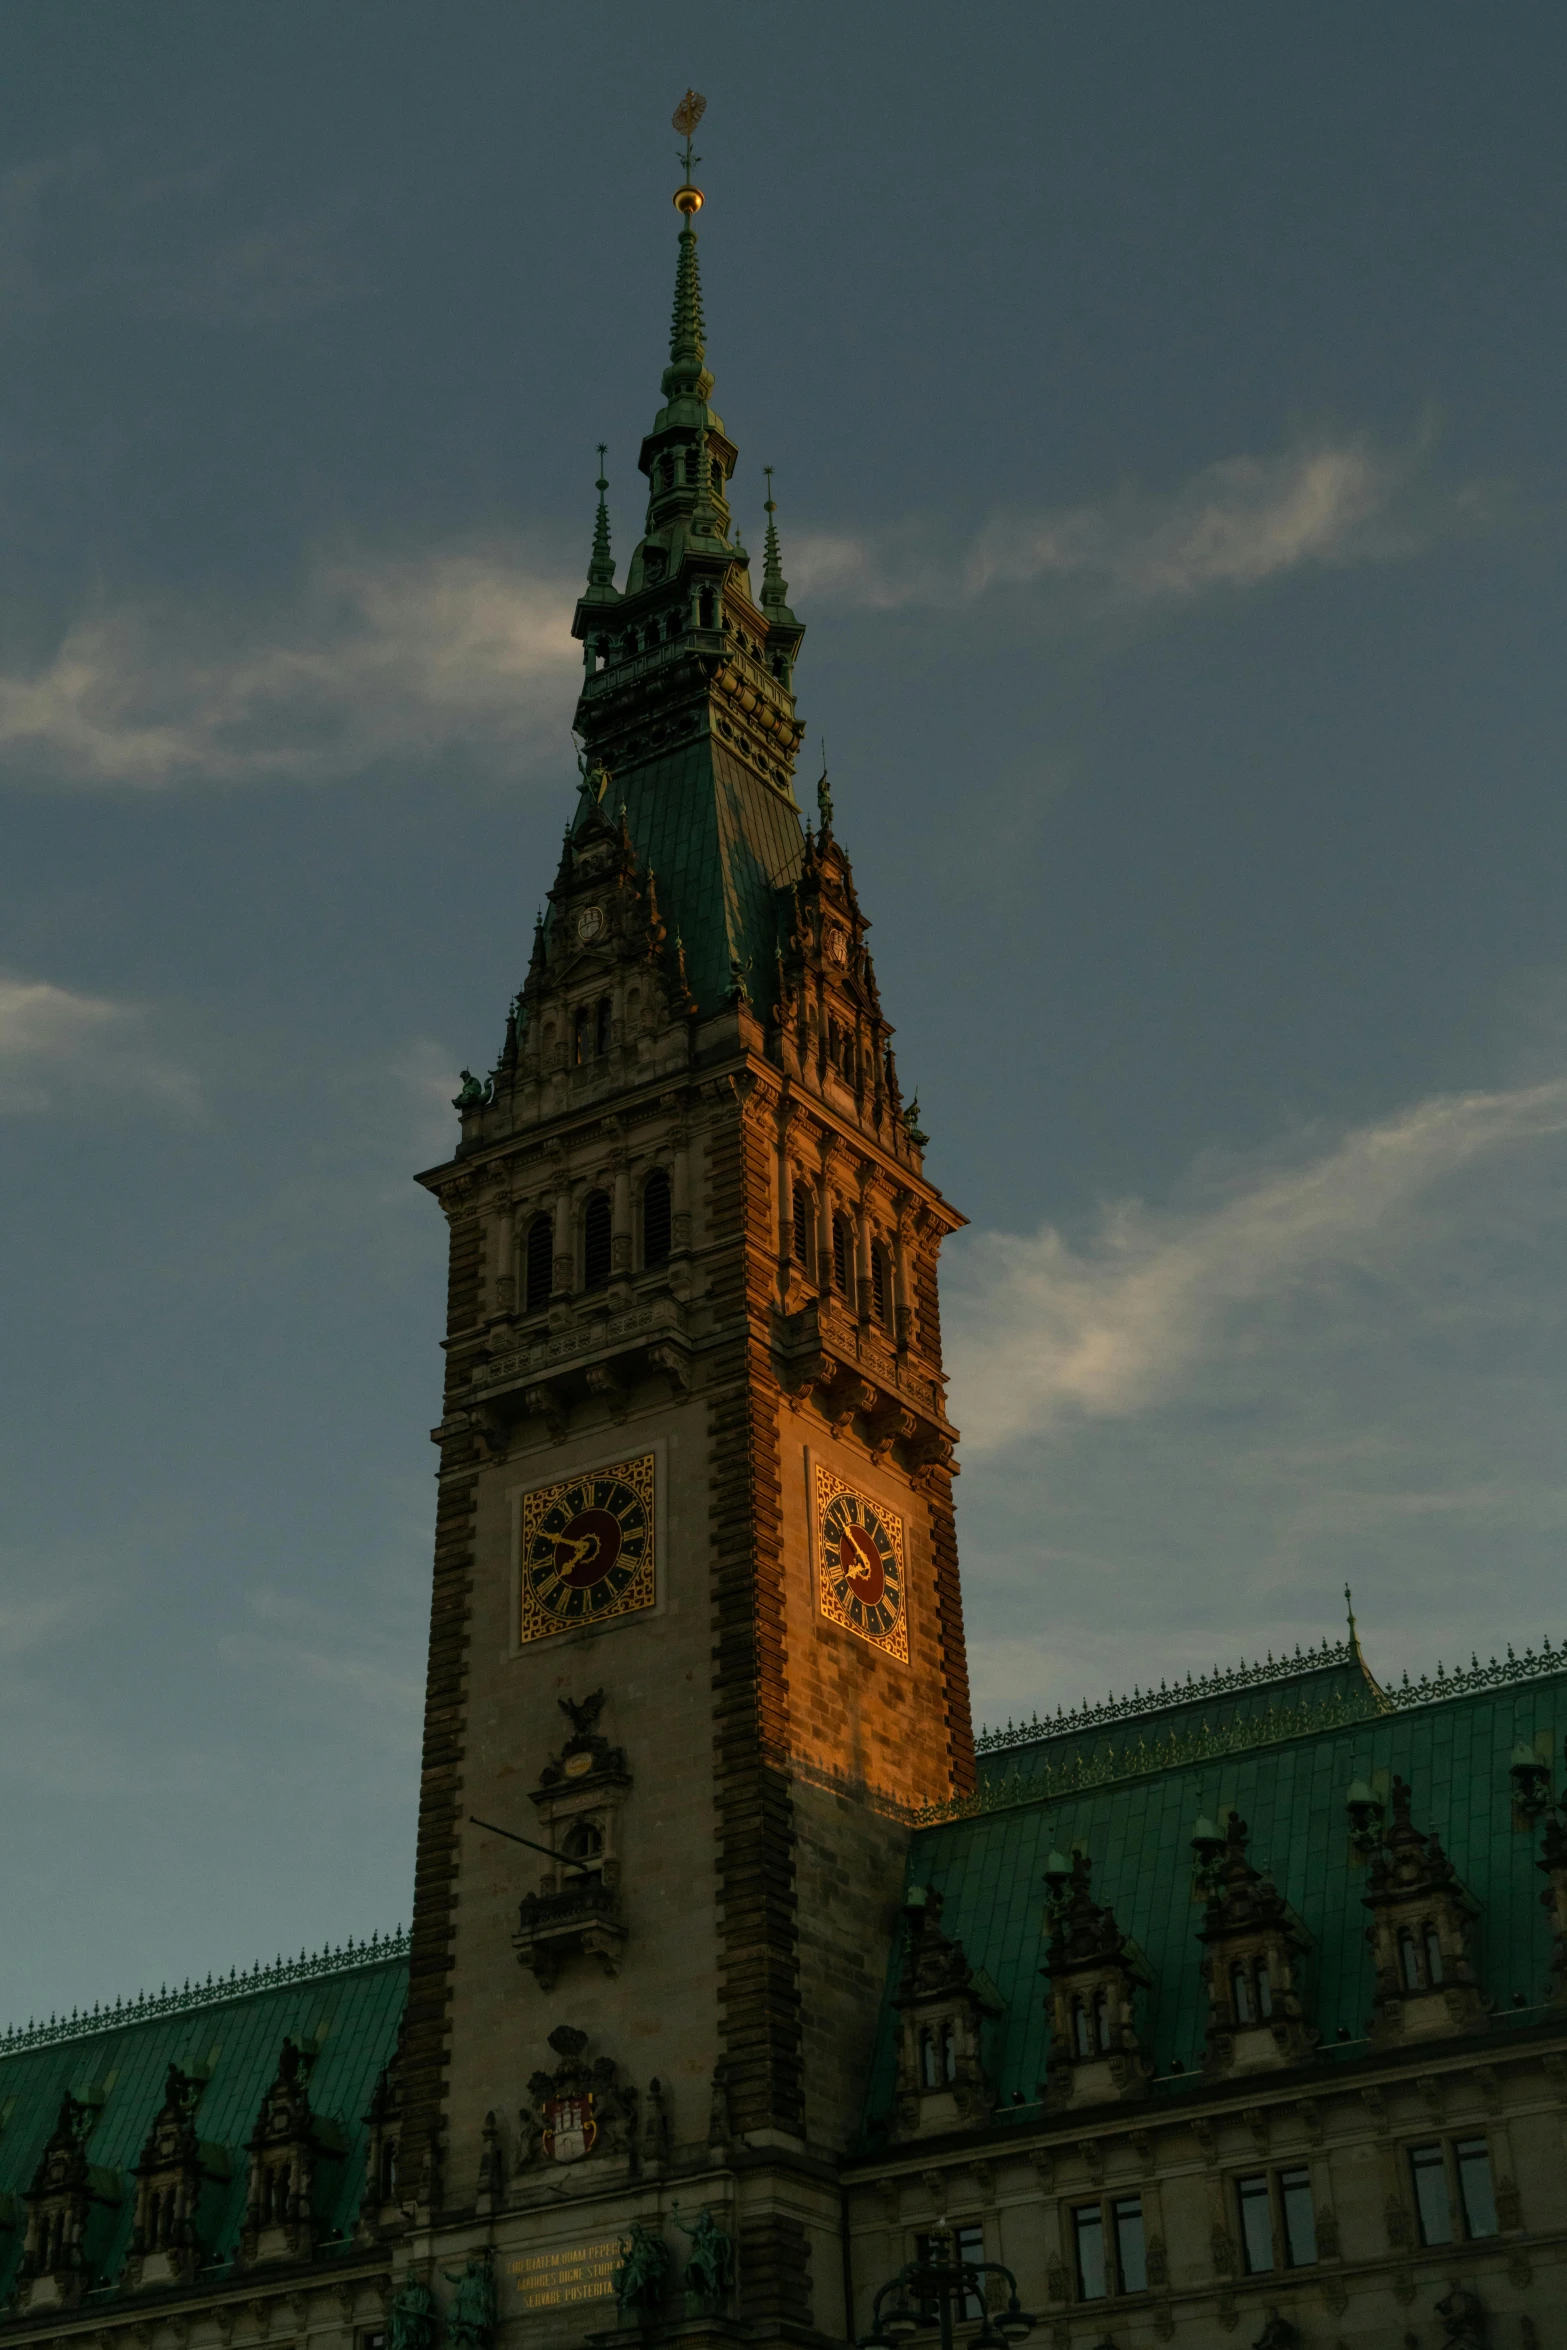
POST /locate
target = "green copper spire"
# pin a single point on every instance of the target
(775, 588)
(687, 327)
(601, 563)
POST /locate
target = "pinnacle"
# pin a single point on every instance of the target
(775, 588)
(601, 563)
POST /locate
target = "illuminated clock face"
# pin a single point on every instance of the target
(587, 1549)
(860, 1567)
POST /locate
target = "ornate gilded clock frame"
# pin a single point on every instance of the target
(824, 1485)
(645, 1599)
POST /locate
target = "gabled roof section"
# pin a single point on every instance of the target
(1331, 1680)
(343, 2012)
(1452, 1737)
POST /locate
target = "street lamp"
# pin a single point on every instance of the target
(924, 2294)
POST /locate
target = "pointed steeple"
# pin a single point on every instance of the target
(687, 327)
(775, 588)
(601, 587)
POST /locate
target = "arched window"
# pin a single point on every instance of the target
(596, 1241)
(1082, 2044)
(949, 2052)
(707, 610)
(802, 1222)
(388, 2178)
(656, 1219)
(584, 1842)
(690, 464)
(841, 1244)
(1102, 2021)
(601, 1025)
(1433, 1956)
(1240, 1996)
(581, 1036)
(881, 1286)
(1264, 1989)
(1409, 1960)
(666, 470)
(540, 1275)
(928, 2075)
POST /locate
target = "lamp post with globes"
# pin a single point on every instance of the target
(925, 2293)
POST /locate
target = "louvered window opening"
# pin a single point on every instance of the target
(596, 1242)
(879, 1284)
(656, 1219)
(541, 1263)
(840, 1254)
(802, 1228)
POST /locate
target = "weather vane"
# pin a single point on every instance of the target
(687, 115)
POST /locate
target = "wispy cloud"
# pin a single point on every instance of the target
(1342, 1358)
(1113, 1326)
(1235, 524)
(57, 1045)
(376, 658)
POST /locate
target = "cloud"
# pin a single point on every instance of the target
(57, 1045)
(403, 657)
(1342, 1358)
(1235, 524)
(1050, 1331)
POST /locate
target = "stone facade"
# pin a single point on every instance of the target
(735, 1974)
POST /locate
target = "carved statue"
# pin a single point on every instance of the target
(710, 2263)
(1463, 2318)
(584, 1715)
(412, 2323)
(643, 2272)
(473, 2315)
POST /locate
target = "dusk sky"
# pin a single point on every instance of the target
(1167, 413)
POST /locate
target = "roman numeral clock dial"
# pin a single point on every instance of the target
(860, 1564)
(587, 1550)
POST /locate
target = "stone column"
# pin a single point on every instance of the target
(902, 1311)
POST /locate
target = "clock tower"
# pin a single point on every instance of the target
(696, 1653)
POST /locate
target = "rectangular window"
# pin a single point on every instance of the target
(1088, 2228)
(965, 2244)
(1130, 2252)
(1433, 2205)
(1475, 2191)
(1300, 2217)
(1256, 2223)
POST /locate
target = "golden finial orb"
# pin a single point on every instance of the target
(687, 115)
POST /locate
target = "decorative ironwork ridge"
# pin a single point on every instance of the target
(1274, 1727)
(1218, 1683)
(1468, 1680)
(216, 1991)
(1105, 1768)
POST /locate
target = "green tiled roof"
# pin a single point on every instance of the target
(723, 846)
(1455, 1752)
(349, 2015)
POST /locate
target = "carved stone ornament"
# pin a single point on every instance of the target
(1254, 1945)
(1422, 1921)
(577, 1910)
(66, 2205)
(943, 2003)
(288, 2148)
(580, 2111)
(1095, 1975)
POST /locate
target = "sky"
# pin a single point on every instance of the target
(1166, 413)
